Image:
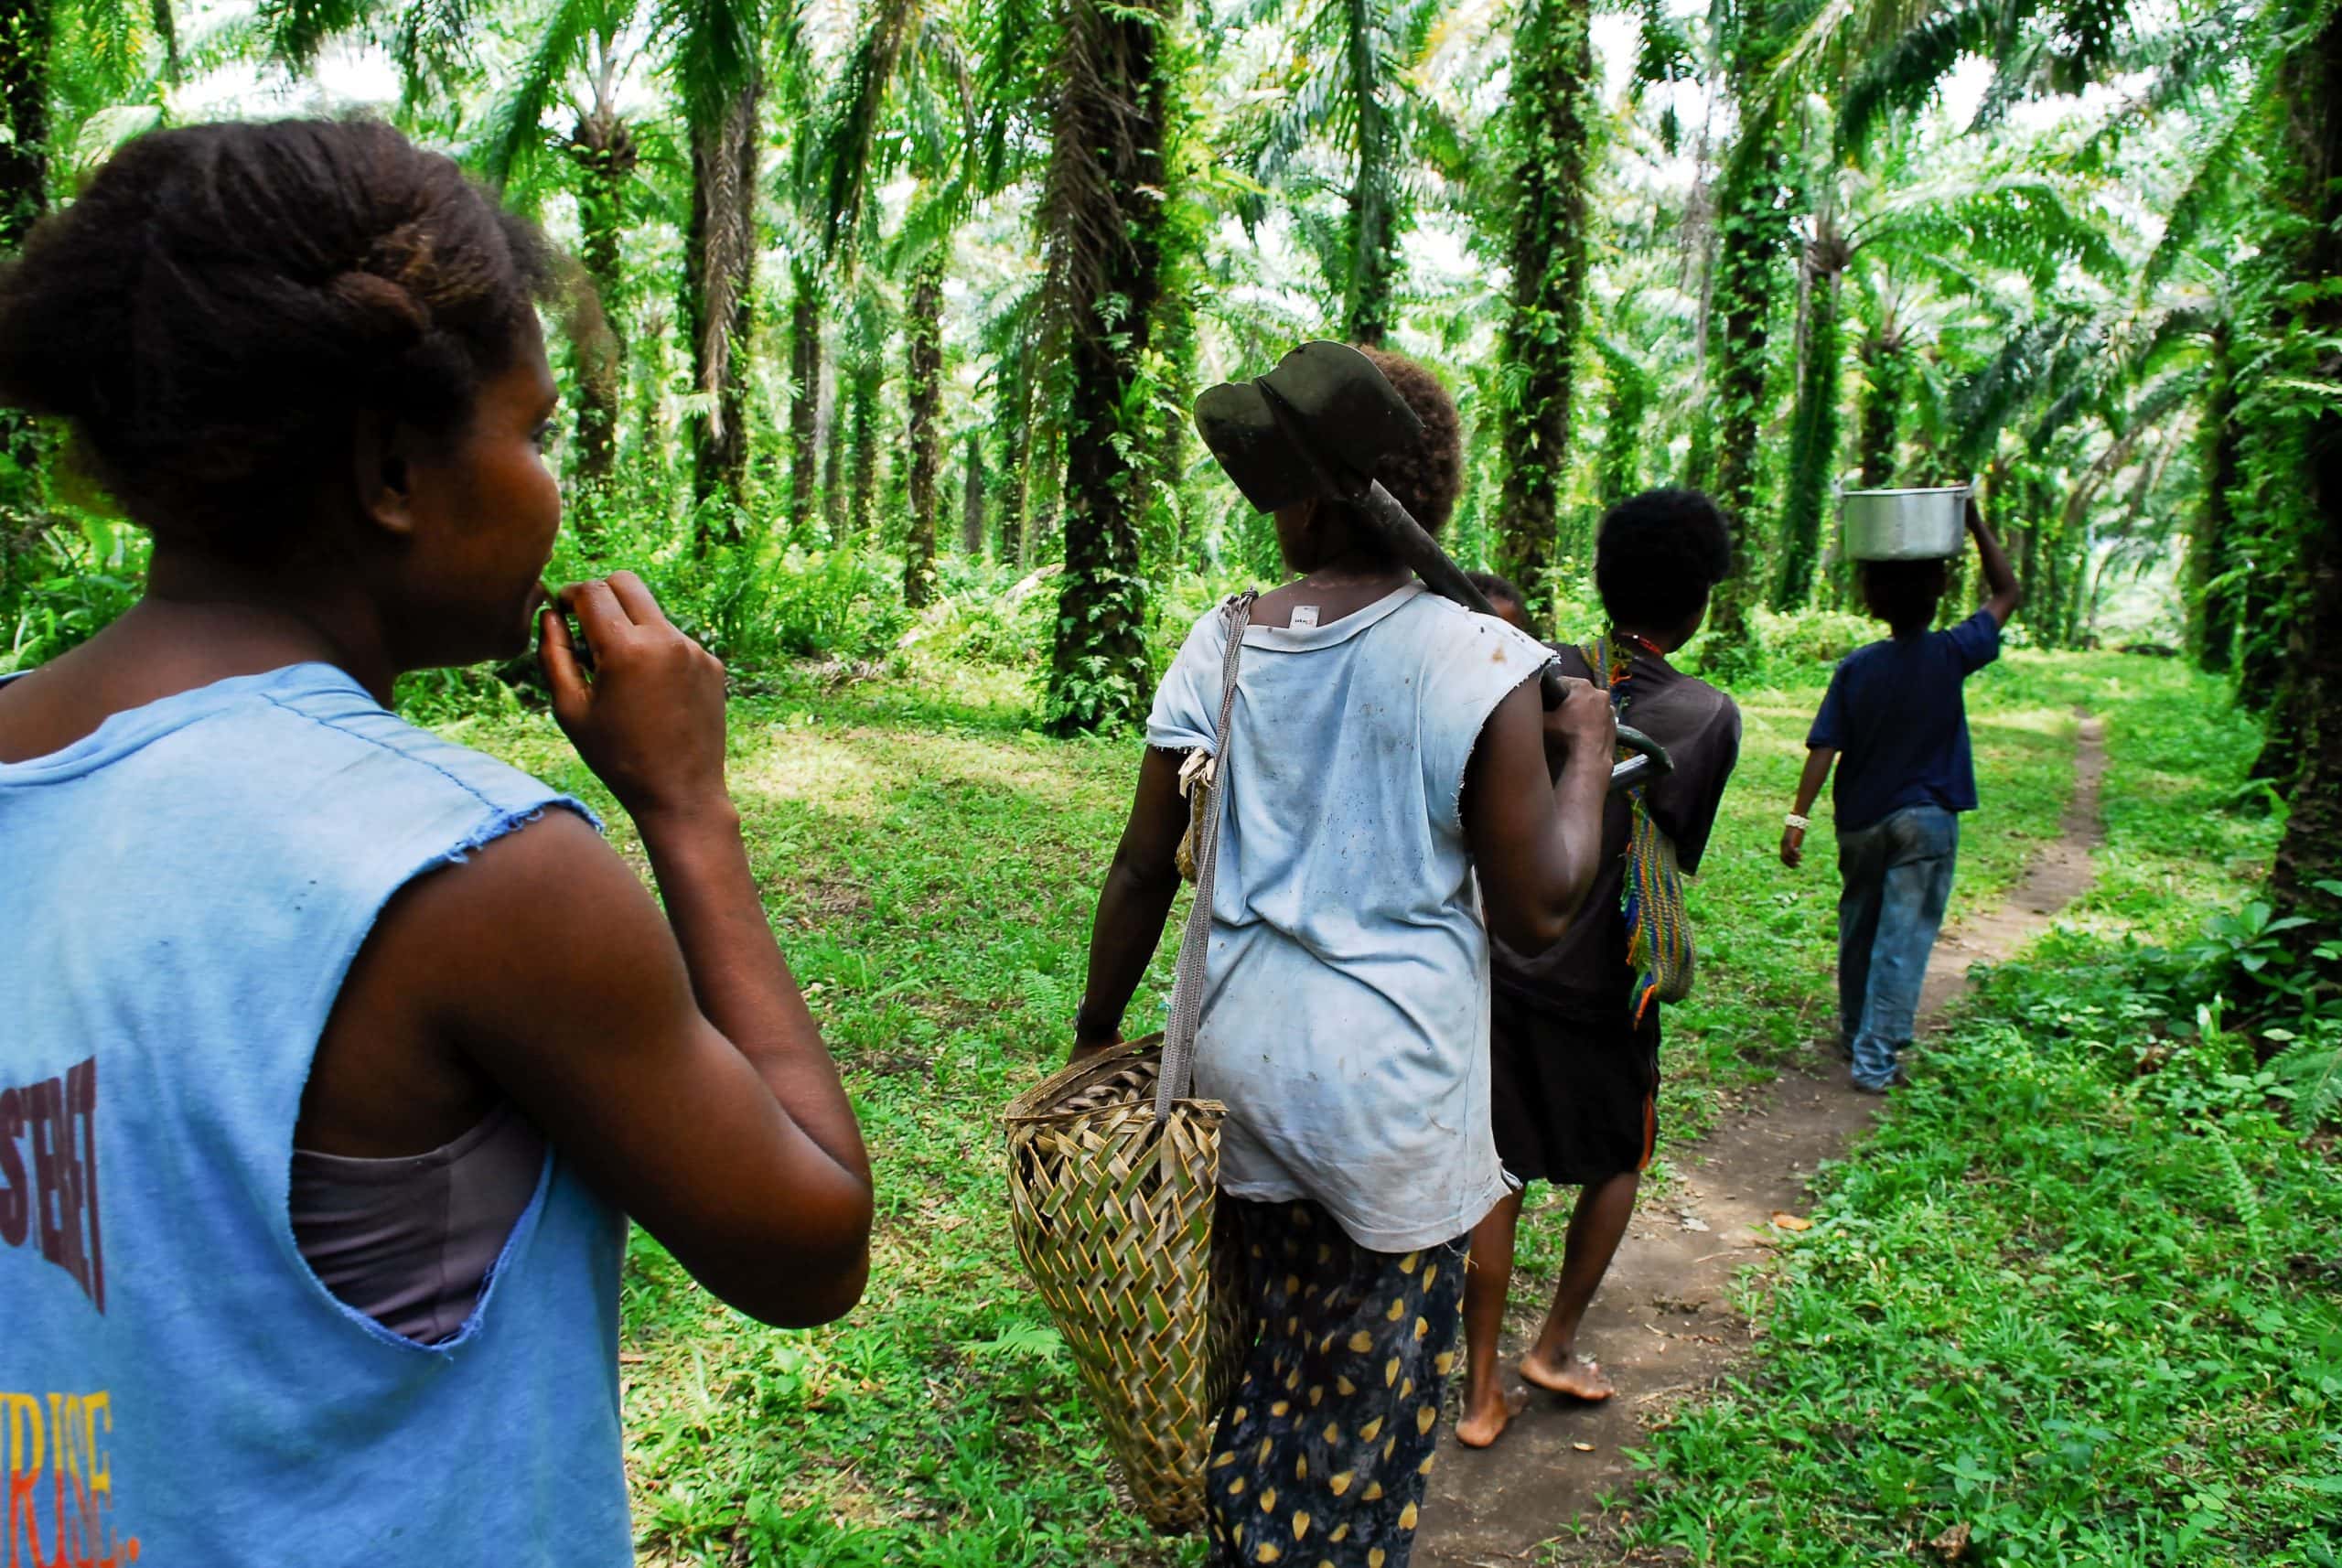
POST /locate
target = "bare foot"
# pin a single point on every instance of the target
(1486, 1415)
(1570, 1374)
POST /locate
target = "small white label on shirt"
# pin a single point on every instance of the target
(1304, 617)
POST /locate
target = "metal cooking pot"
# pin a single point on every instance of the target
(1904, 525)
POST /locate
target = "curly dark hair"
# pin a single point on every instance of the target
(220, 304)
(1903, 593)
(1658, 556)
(1425, 477)
(1495, 590)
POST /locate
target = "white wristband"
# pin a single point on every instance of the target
(1799, 823)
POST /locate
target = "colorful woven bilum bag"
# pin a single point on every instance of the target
(1113, 1182)
(1659, 929)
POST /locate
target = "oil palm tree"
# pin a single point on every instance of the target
(905, 103)
(715, 57)
(2282, 59)
(1946, 227)
(1753, 235)
(1340, 111)
(711, 52)
(1110, 211)
(581, 56)
(1551, 131)
(111, 48)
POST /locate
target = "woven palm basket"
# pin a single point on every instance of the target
(1113, 1215)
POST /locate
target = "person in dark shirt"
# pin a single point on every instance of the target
(1574, 1071)
(1894, 723)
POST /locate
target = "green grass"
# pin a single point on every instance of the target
(2078, 1296)
(929, 865)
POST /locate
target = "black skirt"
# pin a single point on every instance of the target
(1576, 1097)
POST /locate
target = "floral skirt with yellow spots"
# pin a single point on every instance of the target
(1323, 1455)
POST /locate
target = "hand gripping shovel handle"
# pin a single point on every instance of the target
(1420, 551)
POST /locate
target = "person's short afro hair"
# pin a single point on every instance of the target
(1496, 589)
(1903, 593)
(1425, 475)
(1659, 555)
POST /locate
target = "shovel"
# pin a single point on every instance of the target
(1315, 427)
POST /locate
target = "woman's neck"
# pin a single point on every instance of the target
(1660, 643)
(198, 606)
(1351, 571)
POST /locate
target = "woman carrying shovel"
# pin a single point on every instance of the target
(1386, 746)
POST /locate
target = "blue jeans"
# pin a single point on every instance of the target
(1898, 876)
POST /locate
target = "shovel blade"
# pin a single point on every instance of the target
(1316, 426)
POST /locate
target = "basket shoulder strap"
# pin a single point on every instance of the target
(1195, 943)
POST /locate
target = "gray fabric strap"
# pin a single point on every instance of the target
(1195, 944)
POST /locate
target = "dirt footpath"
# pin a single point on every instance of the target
(1663, 1327)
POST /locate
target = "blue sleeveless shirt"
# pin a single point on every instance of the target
(181, 893)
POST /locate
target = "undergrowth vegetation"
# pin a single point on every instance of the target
(2079, 1300)
(930, 863)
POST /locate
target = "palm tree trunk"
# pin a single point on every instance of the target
(1044, 497)
(971, 501)
(2030, 506)
(1012, 430)
(603, 149)
(2080, 547)
(1374, 248)
(923, 387)
(2301, 882)
(2212, 604)
(721, 240)
(27, 33)
(1886, 367)
(1551, 124)
(1106, 201)
(1813, 428)
(804, 394)
(1620, 468)
(869, 385)
(1753, 230)
(833, 490)
(1174, 339)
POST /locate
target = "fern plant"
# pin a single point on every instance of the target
(2310, 1071)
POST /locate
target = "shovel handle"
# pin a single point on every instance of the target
(1407, 539)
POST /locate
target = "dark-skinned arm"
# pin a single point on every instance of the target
(1134, 903)
(1536, 831)
(2000, 578)
(673, 1058)
(1817, 761)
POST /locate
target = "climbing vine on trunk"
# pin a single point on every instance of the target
(721, 241)
(1107, 203)
(923, 389)
(1813, 426)
(1551, 135)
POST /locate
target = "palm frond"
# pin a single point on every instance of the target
(1903, 75)
(515, 130)
(432, 45)
(845, 143)
(2032, 223)
(2213, 186)
(293, 31)
(713, 49)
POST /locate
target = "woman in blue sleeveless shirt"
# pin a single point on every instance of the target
(336, 1052)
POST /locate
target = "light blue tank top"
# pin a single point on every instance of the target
(1345, 996)
(181, 893)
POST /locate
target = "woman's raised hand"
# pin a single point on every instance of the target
(650, 719)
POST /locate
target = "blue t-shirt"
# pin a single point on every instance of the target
(1895, 716)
